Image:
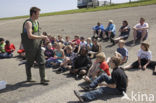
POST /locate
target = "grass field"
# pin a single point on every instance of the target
(109, 7)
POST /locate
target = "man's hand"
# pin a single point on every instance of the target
(45, 38)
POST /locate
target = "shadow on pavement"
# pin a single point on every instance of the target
(104, 98)
(18, 85)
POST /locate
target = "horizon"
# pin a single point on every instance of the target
(21, 7)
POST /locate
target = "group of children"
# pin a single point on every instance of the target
(76, 57)
(6, 49)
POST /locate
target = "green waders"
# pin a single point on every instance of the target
(33, 51)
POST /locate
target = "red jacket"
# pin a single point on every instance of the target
(9, 48)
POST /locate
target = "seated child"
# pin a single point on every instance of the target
(96, 48)
(9, 49)
(49, 51)
(66, 64)
(89, 44)
(144, 59)
(76, 40)
(100, 66)
(67, 41)
(75, 44)
(123, 52)
(58, 57)
(81, 64)
(124, 32)
(83, 43)
(98, 30)
(60, 39)
(2, 48)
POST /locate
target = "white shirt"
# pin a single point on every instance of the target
(139, 26)
(83, 44)
(145, 54)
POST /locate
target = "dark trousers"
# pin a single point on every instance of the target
(37, 56)
(152, 64)
(111, 36)
(92, 95)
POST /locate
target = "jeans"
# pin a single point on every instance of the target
(52, 60)
(5, 55)
(92, 95)
(100, 79)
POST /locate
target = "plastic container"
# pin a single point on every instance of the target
(2, 85)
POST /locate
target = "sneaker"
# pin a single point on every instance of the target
(77, 94)
(78, 77)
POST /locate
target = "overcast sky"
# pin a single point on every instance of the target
(9, 8)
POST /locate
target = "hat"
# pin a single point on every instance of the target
(110, 21)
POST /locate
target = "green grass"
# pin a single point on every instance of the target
(109, 7)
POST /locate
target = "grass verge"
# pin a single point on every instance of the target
(108, 7)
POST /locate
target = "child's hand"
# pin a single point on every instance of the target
(140, 66)
(144, 67)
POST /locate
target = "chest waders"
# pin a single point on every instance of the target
(33, 51)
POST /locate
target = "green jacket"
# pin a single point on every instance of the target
(2, 48)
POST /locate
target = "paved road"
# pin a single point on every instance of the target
(61, 87)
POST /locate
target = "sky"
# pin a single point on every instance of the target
(10, 8)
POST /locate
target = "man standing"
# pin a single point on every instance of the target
(31, 40)
(140, 30)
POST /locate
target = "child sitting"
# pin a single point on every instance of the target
(100, 66)
(114, 85)
(81, 64)
(60, 39)
(67, 41)
(49, 51)
(58, 57)
(9, 48)
(2, 48)
(123, 52)
(66, 64)
(89, 44)
(96, 48)
(124, 32)
(144, 59)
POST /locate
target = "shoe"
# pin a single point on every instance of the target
(87, 88)
(113, 41)
(78, 77)
(44, 82)
(77, 94)
(30, 80)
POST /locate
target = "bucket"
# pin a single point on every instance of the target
(2, 85)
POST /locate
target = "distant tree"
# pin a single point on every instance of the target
(130, 1)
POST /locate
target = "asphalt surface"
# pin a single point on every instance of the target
(61, 86)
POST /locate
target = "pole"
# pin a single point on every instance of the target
(110, 2)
